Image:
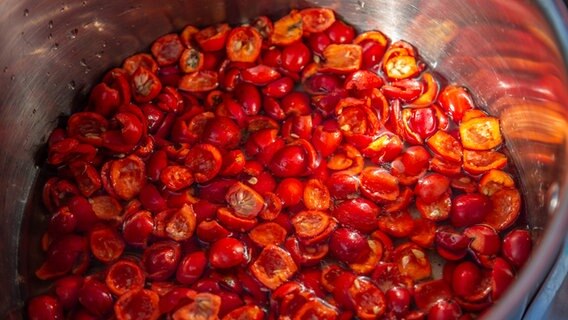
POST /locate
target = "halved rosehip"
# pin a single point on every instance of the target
(449, 169)
(287, 29)
(479, 162)
(481, 133)
(68, 253)
(244, 44)
(370, 302)
(146, 60)
(412, 261)
(343, 186)
(127, 176)
(205, 162)
(167, 49)
(426, 294)
(484, 239)
(245, 202)
(469, 209)
(316, 309)
(145, 85)
(227, 253)
(44, 307)
(341, 295)
(251, 312)
(312, 226)
(517, 246)
(399, 62)
(273, 267)
(431, 187)
(306, 255)
(317, 19)
(436, 211)
(260, 75)
(212, 38)
(205, 306)
(357, 121)
(106, 244)
(231, 221)
(405, 89)
(398, 300)
(272, 206)
(367, 264)
(505, 209)
(123, 276)
(211, 231)
(171, 297)
(455, 100)
(495, 180)
(465, 278)
(199, 81)
(69, 149)
(87, 127)
(191, 60)
(191, 267)
(401, 203)
(87, 177)
(161, 259)
(177, 224)
(362, 80)
(330, 273)
(387, 275)
(296, 56)
(265, 27)
(450, 244)
(502, 276)
(249, 97)
(383, 149)
(423, 232)
(105, 208)
(379, 185)
(176, 177)
(66, 290)
(348, 245)
(396, 224)
(342, 58)
(278, 88)
(430, 92)
(187, 35)
(446, 146)
(137, 228)
(95, 297)
(445, 309)
(340, 32)
(268, 233)
(316, 195)
(289, 161)
(358, 213)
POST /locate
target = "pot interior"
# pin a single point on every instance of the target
(507, 53)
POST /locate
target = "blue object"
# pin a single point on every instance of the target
(551, 301)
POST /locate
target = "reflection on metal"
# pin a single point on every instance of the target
(503, 50)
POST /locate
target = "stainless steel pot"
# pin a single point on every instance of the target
(512, 54)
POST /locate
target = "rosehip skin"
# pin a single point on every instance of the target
(469, 209)
(227, 253)
(348, 245)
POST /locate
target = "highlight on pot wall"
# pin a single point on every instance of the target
(57, 52)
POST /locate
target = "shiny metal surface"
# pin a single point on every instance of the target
(505, 51)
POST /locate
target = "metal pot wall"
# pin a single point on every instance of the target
(512, 54)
